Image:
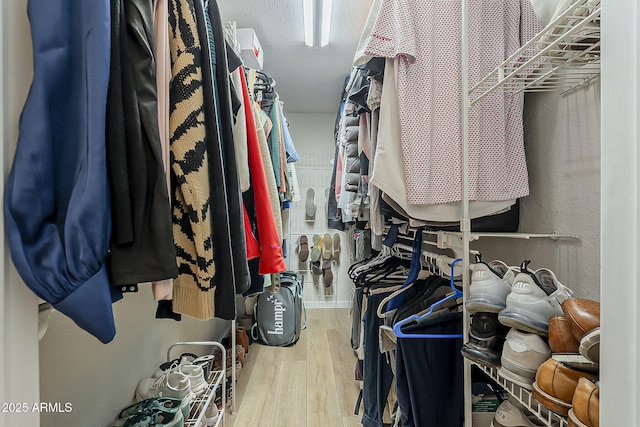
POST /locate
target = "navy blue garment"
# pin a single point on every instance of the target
(378, 375)
(429, 375)
(57, 203)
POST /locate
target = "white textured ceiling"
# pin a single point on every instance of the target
(308, 80)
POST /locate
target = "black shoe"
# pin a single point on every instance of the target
(486, 338)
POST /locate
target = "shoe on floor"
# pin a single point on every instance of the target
(534, 299)
(303, 248)
(316, 250)
(335, 247)
(522, 354)
(486, 338)
(585, 405)
(556, 384)
(310, 205)
(327, 274)
(509, 415)
(327, 245)
(490, 285)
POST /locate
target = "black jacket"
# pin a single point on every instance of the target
(142, 247)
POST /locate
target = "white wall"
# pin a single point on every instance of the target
(68, 365)
(312, 135)
(18, 306)
(562, 143)
(99, 380)
(620, 274)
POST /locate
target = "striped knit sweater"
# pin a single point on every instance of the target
(194, 288)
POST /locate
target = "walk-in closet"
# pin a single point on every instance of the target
(301, 213)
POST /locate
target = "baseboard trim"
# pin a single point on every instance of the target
(327, 304)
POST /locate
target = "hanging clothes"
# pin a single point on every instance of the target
(271, 259)
(163, 290)
(417, 34)
(234, 273)
(272, 188)
(57, 205)
(142, 248)
(240, 136)
(195, 285)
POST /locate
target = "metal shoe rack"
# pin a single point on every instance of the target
(217, 380)
(524, 396)
(564, 56)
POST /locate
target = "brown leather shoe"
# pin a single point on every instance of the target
(561, 339)
(586, 405)
(555, 385)
(583, 314)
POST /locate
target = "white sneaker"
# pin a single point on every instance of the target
(534, 299)
(173, 384)
(490, 285)
(196, 378)
(522, 354)
(508, 415)
(174, 365)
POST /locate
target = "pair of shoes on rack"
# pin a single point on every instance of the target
(154, 412)
(186, 380)
(525, 301)
(535, 297)
(556, 385)
(517, 354)
(585, 405)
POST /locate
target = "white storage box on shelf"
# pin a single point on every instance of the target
(250, 48)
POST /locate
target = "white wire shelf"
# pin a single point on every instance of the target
(453, 239)
(204, 407)
(205, 404)
(524, 396)
(564, 56)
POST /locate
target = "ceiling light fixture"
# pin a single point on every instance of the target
(317, 22)
(326, 22)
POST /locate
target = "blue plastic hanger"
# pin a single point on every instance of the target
(397, 328)
(416, 251)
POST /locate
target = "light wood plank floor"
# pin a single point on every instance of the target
(309, 384)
